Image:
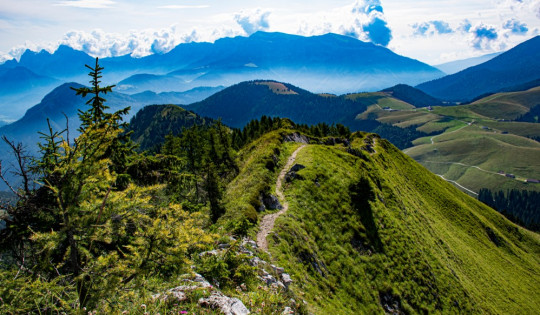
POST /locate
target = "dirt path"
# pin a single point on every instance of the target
(267, 223)
(457, 184)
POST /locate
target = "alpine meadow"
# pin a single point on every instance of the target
(354, 157)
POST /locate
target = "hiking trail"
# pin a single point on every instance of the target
(267, 223)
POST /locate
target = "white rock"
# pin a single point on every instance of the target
(227, 305)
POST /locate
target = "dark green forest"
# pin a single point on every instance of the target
(519, 206)
(532, 115)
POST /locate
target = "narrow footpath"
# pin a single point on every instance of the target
(267, 223)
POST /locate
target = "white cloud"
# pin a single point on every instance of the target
(252, 21)
(181, 7)
(364, 19)
(87, 4)
(139, 43)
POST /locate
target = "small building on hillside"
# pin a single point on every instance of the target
(511, 175)
(534, 181)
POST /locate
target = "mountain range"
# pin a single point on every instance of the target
(518, 65)
(328, 63)
(462, 64)
(322, 64)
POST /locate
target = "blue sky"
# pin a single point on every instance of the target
(433, 31)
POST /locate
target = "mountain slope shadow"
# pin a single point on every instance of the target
(361, 193)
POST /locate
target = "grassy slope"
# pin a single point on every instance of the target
(408, 235)
(489, 149)
(506, 105)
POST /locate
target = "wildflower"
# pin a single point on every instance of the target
(183, 312)
(143, 306)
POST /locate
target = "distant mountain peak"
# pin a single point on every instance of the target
(514, 67)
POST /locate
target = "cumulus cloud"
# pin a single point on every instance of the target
(378, 31)
(372, 21)
(252, 21)
(139, 43)
(483, 36)
(99, 43)
(432, 27)
(87, 4)
(364, 20)
(516, 27)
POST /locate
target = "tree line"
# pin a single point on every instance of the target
(520, 206)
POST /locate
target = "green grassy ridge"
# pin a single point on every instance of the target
(507, 105)
(259, 164)
(437, 255)
(489, 143)
(491, 152)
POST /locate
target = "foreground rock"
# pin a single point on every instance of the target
(227, 305)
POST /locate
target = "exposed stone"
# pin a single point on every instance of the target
(292, 173)
(297, 167)
(271, 202)
(334, 141)
(227, 305)
(278, 270)
(286, 280)
(296, 137)
(269, 279)
(179, 293)
(287, 310)
(209, 253)
(262, 206)
(255, 261)
(223, 246)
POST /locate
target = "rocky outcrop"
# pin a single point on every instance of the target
(227, 305)
(296, 137)
(292, 173)
(179, 293)
(334, 141)
(269, 202)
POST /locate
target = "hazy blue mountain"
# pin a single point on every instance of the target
(519, 65)
(462, 64)
(191, 96)
(19, 79)
(19, 89)
(328, 63)
(64, 63)
(62, 100)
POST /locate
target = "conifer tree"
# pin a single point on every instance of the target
(103, 237)
(97, 111)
